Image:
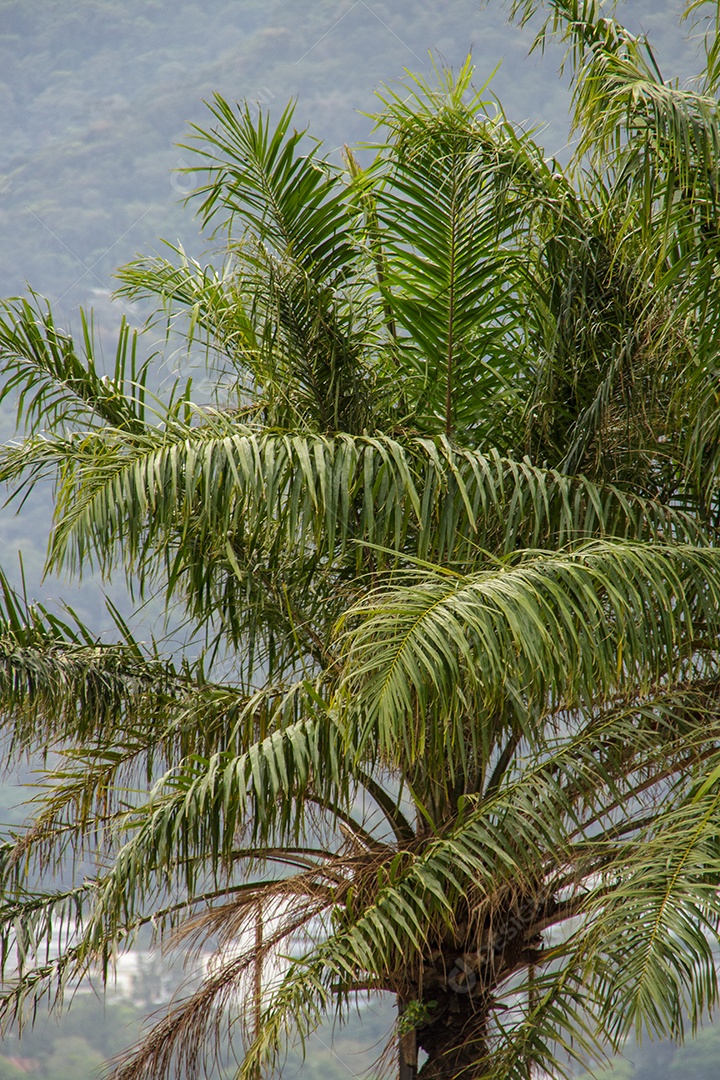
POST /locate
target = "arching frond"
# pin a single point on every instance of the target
(661, 918)
(546, 631)
(334, 491)
(293, 201)
(60, 682)
(59, 386)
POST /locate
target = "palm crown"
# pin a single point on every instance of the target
(447, 526)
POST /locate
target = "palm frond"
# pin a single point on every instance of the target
(447, 280)
(206, 297)
(58, 386)
(59, 682)
(293, 201)
(710, 24)
(334, 491)
(282, 509)
(556, 631)
(659, 922)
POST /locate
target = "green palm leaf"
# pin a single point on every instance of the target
(55, 384)
(293, 201)
(544, 632)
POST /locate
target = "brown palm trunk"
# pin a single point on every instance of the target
(257, 979)
(407, 1050)
(461, 1059)
(455, 1040)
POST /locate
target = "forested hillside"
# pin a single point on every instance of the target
(94, 96)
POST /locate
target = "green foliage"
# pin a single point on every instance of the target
(72, 1057)
(75, 1048)
(443, 544)
(9, 1070)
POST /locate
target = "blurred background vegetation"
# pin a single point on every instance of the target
(95, 95)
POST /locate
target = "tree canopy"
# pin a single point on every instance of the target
(442, 545)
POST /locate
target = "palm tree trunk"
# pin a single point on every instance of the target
(407, 1050)
(455, 1042)
(257, 977)
(457, 1061)
(407, 1056)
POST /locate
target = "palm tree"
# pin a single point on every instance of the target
(445, 535)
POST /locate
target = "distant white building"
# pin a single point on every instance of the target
(142, 977)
